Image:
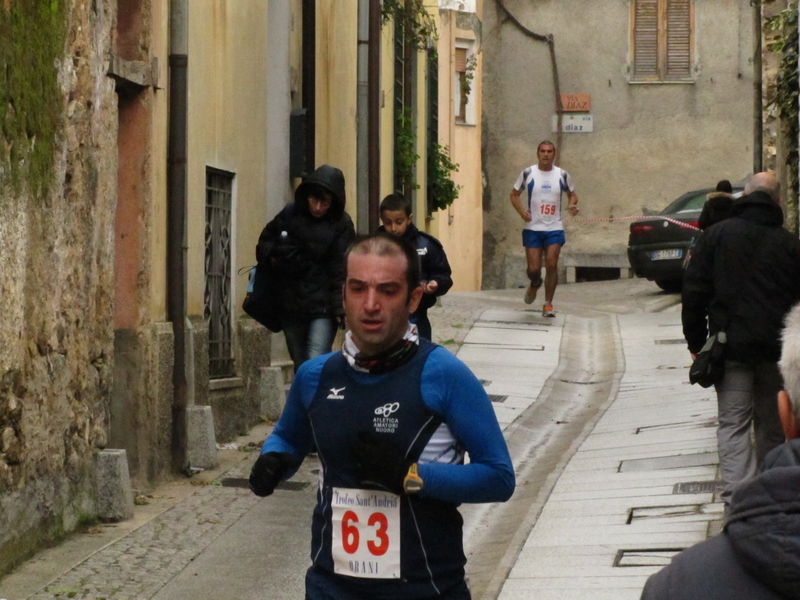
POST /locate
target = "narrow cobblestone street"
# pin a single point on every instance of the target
(585, 401)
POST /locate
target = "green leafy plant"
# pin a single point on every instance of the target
(784, 42)
(442, 190)
(469, 75)
(405, 149)
(419, 25)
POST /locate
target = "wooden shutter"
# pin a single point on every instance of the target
(679, 40)
(461, 60)
(645, 40)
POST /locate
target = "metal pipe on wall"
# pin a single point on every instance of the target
(374, 114)
(177, 242)
(362, 124)
(758, 117)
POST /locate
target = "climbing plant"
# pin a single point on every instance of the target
(469, 75)
(418, 23)
(442, 190)
(784, 43)
(32, 38)
(405, 150)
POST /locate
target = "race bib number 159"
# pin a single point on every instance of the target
(366, 533)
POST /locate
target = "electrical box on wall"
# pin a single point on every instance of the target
(297, 142)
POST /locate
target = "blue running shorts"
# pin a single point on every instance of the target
(542, 239)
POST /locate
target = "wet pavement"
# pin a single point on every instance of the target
(614, 452)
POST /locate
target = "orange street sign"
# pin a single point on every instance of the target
(576, 102)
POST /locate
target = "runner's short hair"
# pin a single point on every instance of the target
(790, 358)
(545, 143)
(383, 244)
(396, 202)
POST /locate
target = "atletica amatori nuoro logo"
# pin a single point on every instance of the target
(336, 394)
(387, 409)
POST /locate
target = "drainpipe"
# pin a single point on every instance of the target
(177, 243)
(374, 112)
(758, 118)
(362, 131)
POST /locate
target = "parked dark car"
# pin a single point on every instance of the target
(657, 247)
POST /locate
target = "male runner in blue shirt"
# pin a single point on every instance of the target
(392, 416)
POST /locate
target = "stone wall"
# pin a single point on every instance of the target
(56, 279)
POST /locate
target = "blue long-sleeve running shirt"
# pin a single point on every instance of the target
(453, 393)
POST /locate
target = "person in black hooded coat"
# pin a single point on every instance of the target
(743, 278)
(757, 556)
(305, 244)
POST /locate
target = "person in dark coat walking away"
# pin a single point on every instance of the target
(757, 556)
(306, 243)
(436, 281)
(743, 278)
(718, 205)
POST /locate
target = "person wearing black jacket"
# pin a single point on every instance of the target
(305, 244)
(757, 556)
(743, 278)
(436, 281)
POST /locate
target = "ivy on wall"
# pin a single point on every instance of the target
(442, 190)
(785, 41)
(405, 149)
(419, 25)
(32, 38)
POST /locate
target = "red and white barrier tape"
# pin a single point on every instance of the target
(611, 219)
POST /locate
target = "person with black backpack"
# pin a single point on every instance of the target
(304, 248)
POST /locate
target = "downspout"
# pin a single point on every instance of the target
(362, 144)
(374, 112)
(177, 243)
(758, 116)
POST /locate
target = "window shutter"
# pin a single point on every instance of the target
(645, 40)
(461, 60)
(679, 39)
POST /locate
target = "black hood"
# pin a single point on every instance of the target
(764, 523)
(329, 179)
(758, 207)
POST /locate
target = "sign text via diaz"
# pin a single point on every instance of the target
(576, 102)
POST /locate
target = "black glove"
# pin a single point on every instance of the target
(378, 463)
(268, 471)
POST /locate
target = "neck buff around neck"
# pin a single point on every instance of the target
(395, 356)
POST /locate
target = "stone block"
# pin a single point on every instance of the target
(201, 448)
(271, 392)
(114, 498)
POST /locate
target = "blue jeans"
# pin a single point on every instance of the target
(307, 338)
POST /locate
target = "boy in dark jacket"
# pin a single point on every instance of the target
(396, 218)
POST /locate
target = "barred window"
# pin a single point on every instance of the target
(662, 40)
(217, 301)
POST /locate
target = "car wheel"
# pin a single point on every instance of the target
(672, 285)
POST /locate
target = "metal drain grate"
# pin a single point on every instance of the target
(639, 513)
(667, 342)
(647, 557)
(241, 482)
(698, 487)
(485, 382)
(497, 398)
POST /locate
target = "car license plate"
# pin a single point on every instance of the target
(666, 254)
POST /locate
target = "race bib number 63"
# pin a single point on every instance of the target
(366, 533)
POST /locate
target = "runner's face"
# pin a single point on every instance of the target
(546, 156)
(376, 300)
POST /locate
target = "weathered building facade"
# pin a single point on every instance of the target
(670, 86)
(153, 141)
